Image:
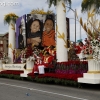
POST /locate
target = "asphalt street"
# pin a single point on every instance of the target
(23, 90)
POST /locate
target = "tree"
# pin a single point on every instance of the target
(87, 5)
(61, 40)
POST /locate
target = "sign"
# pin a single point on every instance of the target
(13, 66)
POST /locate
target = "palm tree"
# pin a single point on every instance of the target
(10, 19)
(61, 41)
(87, 5)
(91, 7)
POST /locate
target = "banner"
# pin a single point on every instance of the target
(13, 66)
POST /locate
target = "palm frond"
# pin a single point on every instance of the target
(87, 4)
(50, 2)
(89, 32)
(85, 27)
(68, 2)
(54, 2)
(81, 21)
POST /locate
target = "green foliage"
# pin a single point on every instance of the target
(9, 17)
(10, 76)
(54, 2)
(46, 80)
(29, 78)
(87, 4)
(57, 81)
(17, 77)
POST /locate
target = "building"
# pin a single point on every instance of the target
(4, 43)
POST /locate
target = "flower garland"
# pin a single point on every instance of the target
(9, 17)
(38, 11)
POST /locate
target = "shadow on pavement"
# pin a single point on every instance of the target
(90, 86)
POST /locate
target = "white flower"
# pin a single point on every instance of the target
(93, 48)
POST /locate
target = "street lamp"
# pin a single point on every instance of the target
(80, 27)
(75, 25)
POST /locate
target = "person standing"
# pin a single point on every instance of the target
(20, 38)
(35, 32)
(48, 37)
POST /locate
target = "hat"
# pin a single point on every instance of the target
(78, 41)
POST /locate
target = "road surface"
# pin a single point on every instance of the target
(24, 90)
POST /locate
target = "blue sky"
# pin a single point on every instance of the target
(25, 7)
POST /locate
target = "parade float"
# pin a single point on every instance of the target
(21, 56)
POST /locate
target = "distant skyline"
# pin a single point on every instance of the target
(21, 7)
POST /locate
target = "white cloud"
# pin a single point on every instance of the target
(25, 7)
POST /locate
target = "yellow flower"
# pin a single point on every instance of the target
(37, 11)
(10, 16)
(85, 1)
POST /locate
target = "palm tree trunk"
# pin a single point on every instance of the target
(62, 55)
(11, 40)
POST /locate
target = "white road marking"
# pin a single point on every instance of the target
(44, 91)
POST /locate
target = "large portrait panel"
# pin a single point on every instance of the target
(40, 30)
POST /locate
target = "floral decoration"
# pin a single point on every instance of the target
(92, 47)
(92, 28)
(9, 17)
(38, 11)
(72, 67)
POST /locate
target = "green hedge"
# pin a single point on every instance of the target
(45, 80)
